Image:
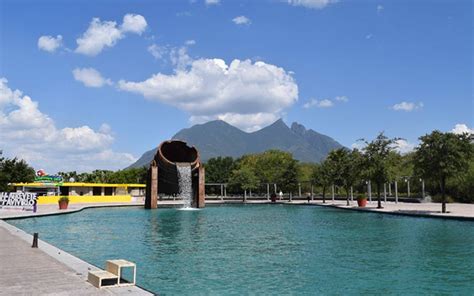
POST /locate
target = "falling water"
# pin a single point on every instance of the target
(185, 184)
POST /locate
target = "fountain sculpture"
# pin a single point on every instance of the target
(176, 169)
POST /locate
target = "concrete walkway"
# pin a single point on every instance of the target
(45, 210)
(432, 210)
(46, 270)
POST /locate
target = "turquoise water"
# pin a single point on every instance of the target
(271, 249)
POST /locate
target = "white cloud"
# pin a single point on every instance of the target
(407, 106)
(209, 89)
(358, 145)
(341, 99)
(241, 20)
(32, 135)
(90, 77)
(102, 34)
(325, 103)
(314, 4)
(212, 2)
(403, 146)
(157, 51)
(462, 128)
(50, 43)
(179, 57)
(134, 23)
(190, 42)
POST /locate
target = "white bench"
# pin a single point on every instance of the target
(115, 267)
(101, 278)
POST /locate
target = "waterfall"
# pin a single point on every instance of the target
(185, 184)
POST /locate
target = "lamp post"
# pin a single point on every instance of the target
(407, 180)
(422, 188)
(332, 191)
(369, 190)
(396, 191)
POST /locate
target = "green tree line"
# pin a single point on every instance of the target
(444, 161)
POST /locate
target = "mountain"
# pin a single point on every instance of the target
(218, 138)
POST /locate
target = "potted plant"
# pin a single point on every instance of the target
(362, 201)
(63, 202)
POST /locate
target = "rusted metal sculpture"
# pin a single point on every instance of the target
(163, 174)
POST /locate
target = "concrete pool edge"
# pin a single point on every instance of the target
(79, 266)
(423, 210)
(393, 213)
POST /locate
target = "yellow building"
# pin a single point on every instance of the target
(78, 192)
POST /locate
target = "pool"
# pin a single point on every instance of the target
(271, 249)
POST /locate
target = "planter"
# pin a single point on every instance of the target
(63, 205)
(362, 202)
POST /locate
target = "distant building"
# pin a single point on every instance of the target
(78, 192)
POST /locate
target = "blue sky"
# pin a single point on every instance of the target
(109, 89)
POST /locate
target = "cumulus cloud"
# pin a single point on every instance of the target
(403, 146)
(190, 42)
(341, 99)
(32, 135)
(134, 23)
(247, 94)
(102, 34)
(325, 103)
(314, 4)
(241, 20)
(212, 2)
(179, 57)
(462, 128)
(90, 77)
(50, 43)
(407, 106)
(157, 51)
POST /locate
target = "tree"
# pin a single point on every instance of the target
(274, 166)
(441, 156)
(344, 168)
(219, 169)
(14, 171)
(334, 164)
(245, 178)
(305, 173)
(376, 161)
(98, 176)
(322, 177)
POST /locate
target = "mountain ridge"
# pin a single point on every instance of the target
(219, 138)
